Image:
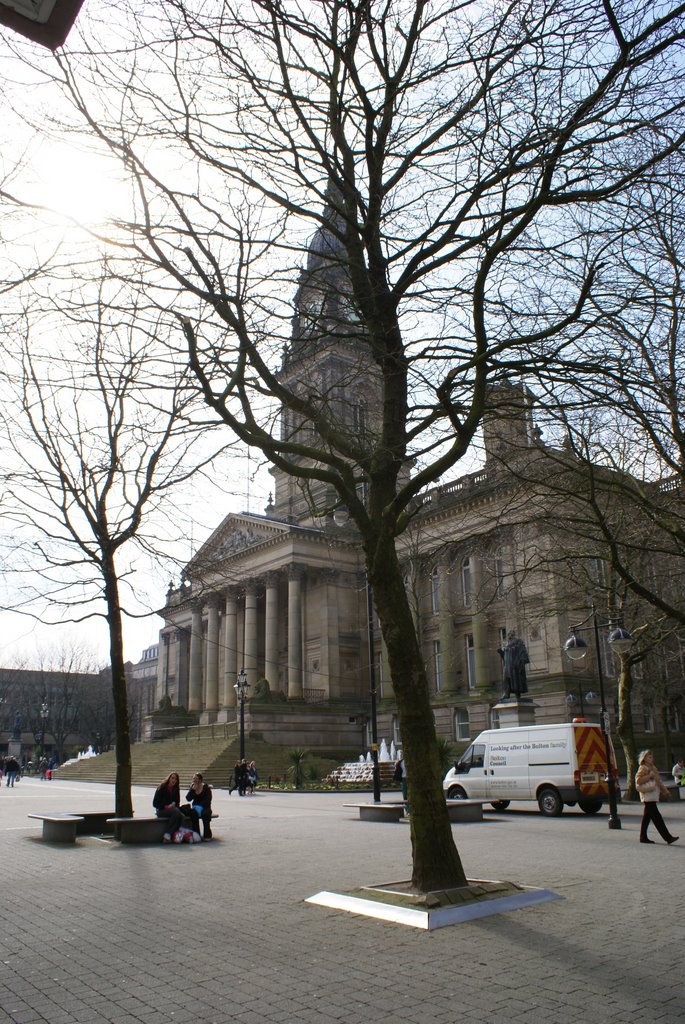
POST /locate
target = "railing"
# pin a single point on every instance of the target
(465, 483)
(195, 733)
(314, 696)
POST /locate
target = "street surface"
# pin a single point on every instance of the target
(219, 932)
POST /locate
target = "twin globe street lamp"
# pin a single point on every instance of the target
(241, 686)
(576, 648)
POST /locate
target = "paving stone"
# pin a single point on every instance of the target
(107, 934)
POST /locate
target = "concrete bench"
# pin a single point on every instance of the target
(59, 828)
(94, 823)
(379, 812)
(141, 830)
(465, 810)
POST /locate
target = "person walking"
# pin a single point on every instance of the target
(11, 770)
(252, 777)
(650, 787)
(236, 778)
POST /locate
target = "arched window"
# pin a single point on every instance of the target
(437, 665)
(470, 652)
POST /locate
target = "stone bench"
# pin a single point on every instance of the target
(465, 810)
(94, 823)
(457, 810)
(59, 828)
(379, 812)
(141, 830)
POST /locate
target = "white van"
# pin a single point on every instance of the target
(553, 764)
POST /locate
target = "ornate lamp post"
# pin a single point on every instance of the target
(241, 687)
(576, 648)
(44, 713)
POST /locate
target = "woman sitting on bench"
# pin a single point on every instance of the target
(199, 796)
(166, 804)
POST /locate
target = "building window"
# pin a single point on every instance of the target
(648, 717)
(435, 590)
(470, 660)
(673, 718)
(466, 581)
(396, 731)
(500, 575)
(358, 418)
(437, 665)
(494, 718)
(462, 726)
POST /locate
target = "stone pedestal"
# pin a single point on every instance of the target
(14, 749)
(516, 711)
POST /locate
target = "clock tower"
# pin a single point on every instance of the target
(327, 362)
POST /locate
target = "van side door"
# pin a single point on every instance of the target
(472, 773)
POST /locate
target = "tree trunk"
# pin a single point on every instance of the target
(436, 862)
(123, 804)
(624, 727)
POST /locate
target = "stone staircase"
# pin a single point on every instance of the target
(197, 750)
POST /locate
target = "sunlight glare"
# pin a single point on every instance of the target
(84, 187)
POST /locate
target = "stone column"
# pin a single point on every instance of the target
(295, 574)
(230, 647)
(330, 634)
(180, 675)
(162, 667)
(250, 664)
(479, 626)
(271, 631)
(446, 631)
(212, 677)
(195, 687)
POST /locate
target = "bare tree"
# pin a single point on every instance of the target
(101, 429)
(460, 168)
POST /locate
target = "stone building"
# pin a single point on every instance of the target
(283, 595)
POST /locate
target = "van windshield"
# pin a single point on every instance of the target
(473, 757)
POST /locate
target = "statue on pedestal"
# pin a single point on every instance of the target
(514, 657)
(16, 728)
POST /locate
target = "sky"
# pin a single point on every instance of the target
(77, 189)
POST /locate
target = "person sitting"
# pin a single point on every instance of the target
(679, 772)
(199, 796)
(166, 803)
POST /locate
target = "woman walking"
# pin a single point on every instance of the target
(650, 787)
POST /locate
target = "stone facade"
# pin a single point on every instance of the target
(283, 595)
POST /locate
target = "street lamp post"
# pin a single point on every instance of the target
(44, 712)
(241, 687)
(576, 648)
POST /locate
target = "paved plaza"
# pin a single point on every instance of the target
(220, 932)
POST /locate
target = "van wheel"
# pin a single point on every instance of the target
(590, 806)
(550, 802)
(456, 793)
(500, 805)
